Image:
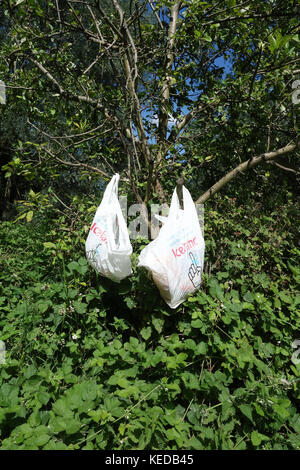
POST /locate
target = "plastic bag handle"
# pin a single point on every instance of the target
(110, 200)
(111, 190)
(188, 204)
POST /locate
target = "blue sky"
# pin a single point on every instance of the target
(219, 62)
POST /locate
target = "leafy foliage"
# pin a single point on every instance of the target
(91, 364)
(96, 88)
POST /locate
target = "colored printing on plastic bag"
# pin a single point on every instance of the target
(108, 247)
(175, 258)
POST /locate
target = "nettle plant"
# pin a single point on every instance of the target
(92, 364)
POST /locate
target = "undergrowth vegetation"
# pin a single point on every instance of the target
(91, 364)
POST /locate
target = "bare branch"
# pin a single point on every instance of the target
(89, 34)
(284, 167)
(96, 24)
(163, 112)
(70, 136)
(65, 149)
(189, 116)
(19, 87)
(78, 164)
(185, 120)
(131, 70)
(252, 16)
(155, 13)
(56, 197)
(110, 24)
(279, 66)
(226, 9)
(72, 96)
(255, 72)
(48, 75)
(58, 13)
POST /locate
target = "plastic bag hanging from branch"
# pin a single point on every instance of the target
(176, 257)
(108, 247)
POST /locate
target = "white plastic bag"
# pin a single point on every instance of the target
(175, 258)
(108, 247)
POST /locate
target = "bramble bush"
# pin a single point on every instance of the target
(91, 364)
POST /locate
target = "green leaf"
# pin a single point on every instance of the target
(272, 43)
(245, 354)
(248, 297)
(73, 266)
(257, 438)
(194, 443)
(80, 307)
(259, 410)
(34, 419)
(146, 332)
(197, 323)
(72, 293)
(277, 303)
(284, 297)
(72, 426)
(123, 383)
(43, 397)
(29, 216)
(207, 432)
(29, 371)
(60, 407)
(158, 324)
(190, 344)
(247, 411)
(201, 348)
(130, 303)
(42, 439)
(49, 245)
(206, 37)
(43, 306)
(236, 307)
(282, 407)
(259, 298)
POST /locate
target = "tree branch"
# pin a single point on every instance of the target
(279, 66)
(185, 120)
(245, 166)
(71, 157)
(255, 72)
(78, 164)
(163, 115)
(249, 17)
(85, 99)
(284, 168)
(130, 60)
(156, 14)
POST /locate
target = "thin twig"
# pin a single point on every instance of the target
(155, 13)
(284, 168)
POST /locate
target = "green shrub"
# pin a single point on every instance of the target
(91, 364)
